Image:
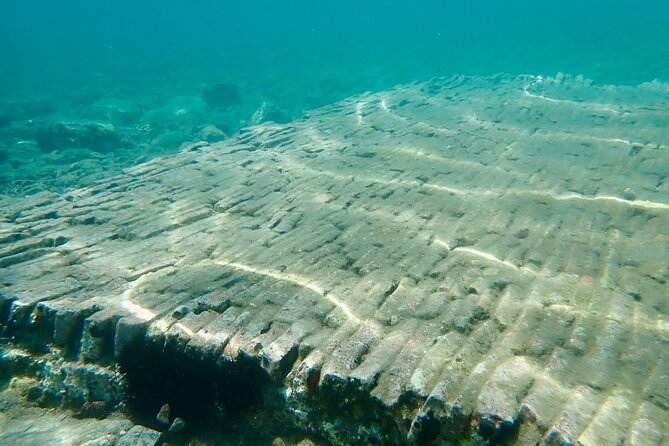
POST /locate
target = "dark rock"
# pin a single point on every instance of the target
(92, 136)
(222, 95)
(128, 331)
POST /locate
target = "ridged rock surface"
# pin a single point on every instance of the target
(489, 249)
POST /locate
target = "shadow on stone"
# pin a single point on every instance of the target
(217, 399)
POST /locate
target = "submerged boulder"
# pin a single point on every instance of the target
(93, 136)
(221, 95)
(211, 133)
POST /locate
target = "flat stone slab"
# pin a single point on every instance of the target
(491, 247)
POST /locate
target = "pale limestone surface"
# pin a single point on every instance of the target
(495, 247)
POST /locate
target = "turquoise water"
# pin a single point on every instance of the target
(521, 219)
(46, 42)
(353, 45)
(59, 58)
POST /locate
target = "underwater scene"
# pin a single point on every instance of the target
(334, 223)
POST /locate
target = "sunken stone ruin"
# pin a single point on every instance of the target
(464, 261)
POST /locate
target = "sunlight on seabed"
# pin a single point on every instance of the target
(497, 193)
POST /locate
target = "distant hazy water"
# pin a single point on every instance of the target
(361, 44)
(58, 58)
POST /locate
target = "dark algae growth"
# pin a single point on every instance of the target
(334, 223)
